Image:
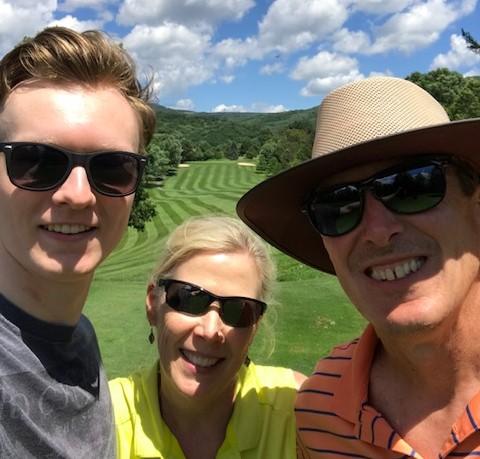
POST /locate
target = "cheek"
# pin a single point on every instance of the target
(240, 340)
(171, 327)
(338, 249)
(118, 209)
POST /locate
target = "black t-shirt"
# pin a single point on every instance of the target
(54, 399)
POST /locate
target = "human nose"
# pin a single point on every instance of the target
(75, 190)
(210, 325)
(379, 224)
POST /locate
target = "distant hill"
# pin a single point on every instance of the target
(219, 128)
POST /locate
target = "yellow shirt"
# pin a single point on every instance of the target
(262, 425)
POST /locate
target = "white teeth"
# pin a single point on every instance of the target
(67, 229)
(389, 274)
(414, 265)
(199, 360)
(398, 271)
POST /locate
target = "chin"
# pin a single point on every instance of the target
(410, 325)
(68, 268)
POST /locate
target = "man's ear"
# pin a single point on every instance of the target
(152, 301)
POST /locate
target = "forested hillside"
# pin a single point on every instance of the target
(275, 141)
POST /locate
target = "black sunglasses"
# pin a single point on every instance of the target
(236, 311)
(39, 167)
(404, 189)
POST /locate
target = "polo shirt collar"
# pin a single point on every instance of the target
(243, 430)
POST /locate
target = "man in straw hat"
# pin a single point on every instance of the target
(390, 204)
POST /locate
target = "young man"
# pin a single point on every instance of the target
(74, 123)
(391, 205)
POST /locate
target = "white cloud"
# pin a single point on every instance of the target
(271, 69)
(20, 18)
(71, 5)
(185, 104)
(325, 71)
(290, 25)
(323, 64)
(381, 6)
(350, 42)
(154, 12)
(222, 108)
(177, 56)
(459, 56)
(320, 86)
(260, 107)
(473, 72)
(420, 26)
(256, 107)
(73, 23)
(235, 52)
(227, 79)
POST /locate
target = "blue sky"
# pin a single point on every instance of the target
(263, 55)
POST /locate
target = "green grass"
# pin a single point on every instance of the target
(310, 313)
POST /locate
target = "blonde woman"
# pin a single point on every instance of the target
(203, 398)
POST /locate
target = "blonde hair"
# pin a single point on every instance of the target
(63, 56)
(215, 234)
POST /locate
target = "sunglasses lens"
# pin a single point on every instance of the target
(114, 174)
(190, 299)
(240, 312)
(336, 211)
(187, 298)
(413, 190)
(36, 167)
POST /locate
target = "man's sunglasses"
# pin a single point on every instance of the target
(39, 167)
(236, 311)
(404, 189)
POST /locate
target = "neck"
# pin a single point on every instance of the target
(443, 353)
(51, 297)
(422, 381)
(199, 425)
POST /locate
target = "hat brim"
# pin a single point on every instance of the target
(273, 208)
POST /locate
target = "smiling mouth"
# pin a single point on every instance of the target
(397, 271)
(198, 360)
(67, 228)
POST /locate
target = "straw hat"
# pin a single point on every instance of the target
(373, 119)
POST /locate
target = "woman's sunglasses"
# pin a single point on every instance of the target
(236, 311)
(38, 167)
(404, 189)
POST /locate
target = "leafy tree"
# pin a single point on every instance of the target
(158, 162)
(173, 149)
(189, 151)
(443, 84)
(232, 152)
(467, 102)
(272, 157)
(459, 95)
(143, 209)
(471, 42)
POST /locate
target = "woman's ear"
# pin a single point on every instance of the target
(151, 304)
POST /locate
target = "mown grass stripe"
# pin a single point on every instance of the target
(208, 207)
(174, 216)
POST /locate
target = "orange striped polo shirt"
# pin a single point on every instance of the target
(334, 419)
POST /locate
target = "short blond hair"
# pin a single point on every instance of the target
(215, 234)
(62, 56)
